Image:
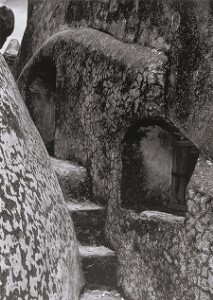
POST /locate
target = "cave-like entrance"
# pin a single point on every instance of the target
(41, 101)
(157, 164)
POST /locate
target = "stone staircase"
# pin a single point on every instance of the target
(98, 261)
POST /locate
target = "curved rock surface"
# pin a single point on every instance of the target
(6, 24)
(38, 249)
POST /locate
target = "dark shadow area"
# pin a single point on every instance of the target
(41, 101)
(157, 164)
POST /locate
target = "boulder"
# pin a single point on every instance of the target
(39, 256)
(7, 22)
(11, 52)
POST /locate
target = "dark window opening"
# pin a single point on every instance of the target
(157, 164)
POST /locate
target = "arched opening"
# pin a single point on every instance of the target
(41, 101)
(157, 164)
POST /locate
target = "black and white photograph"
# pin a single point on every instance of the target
(106, 149)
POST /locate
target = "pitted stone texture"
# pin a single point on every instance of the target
(180, 29)
(106, 88)
(163, 256)
(134, 21)
(125, 20)
(73, 180)
(38, 250)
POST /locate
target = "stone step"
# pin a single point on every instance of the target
(101, 295)
(99, 266)
(89, 221)
(73, 180)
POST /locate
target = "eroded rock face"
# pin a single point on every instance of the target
(38, 249)
(6, 24)
(104, 87)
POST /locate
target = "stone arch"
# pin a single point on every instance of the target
(157, 164)
(40, 98)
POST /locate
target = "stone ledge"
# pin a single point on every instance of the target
(65, 167)
(72, 178)
(93, 251)
(99, 266)
(89, 221)
(161, 217)
(101, 294)
(133, 220)
(84, 206)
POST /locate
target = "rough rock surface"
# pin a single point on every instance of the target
(11, 52)
(99, 266)
(119, 84)
(6, 24)
(89, 221)
(73, 180)
(181, 30)
(39, 255)
(104, 86)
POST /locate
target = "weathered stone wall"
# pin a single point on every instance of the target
(166, 257)
(38, 248)
(116, 87)
(103, 87)
(181, 30)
